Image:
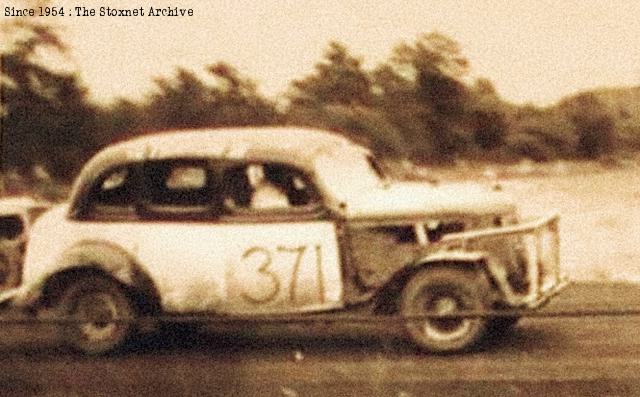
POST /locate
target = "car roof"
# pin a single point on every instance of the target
(285, 144)
(231, 142)
(297, 146)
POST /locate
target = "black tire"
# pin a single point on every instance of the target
(5, 270)
(9, 270)
(500, 326)
(101, 301)
(445, 290)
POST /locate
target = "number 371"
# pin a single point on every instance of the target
(262, 259)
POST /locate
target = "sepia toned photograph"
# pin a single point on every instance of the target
(305, 198)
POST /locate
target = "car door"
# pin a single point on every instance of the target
(283, 254)
(163, 214)
(208, 249)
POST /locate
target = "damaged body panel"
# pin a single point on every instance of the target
(267, 221)
(523, 259)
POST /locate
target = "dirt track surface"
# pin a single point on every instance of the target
(552, 356)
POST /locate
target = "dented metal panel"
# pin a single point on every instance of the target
(376, 253)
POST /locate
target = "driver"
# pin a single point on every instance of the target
(265, 194)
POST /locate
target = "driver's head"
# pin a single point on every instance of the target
(255, 174)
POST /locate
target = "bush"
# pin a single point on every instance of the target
(595, 135)
(630, 137)
(529, 146)
(593, 123)
(489, 129)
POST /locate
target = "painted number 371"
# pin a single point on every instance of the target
(260, 260)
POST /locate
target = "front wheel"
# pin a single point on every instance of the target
(100, 315)
(445, 291)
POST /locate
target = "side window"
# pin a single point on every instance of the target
(181, 186)
(267, 187)
(113, 194)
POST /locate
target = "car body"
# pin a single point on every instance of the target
(170, 223)
(16, 216)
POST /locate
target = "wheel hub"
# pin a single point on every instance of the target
(446, 305)
(99, 311)
(446, 328)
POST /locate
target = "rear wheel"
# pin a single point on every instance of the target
(9, 270)
(5, 270)
(445, 291)
(103, 312)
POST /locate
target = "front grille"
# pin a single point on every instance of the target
(543, 256)
(538, 243)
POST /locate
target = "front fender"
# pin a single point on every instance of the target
(495, 270)
(453, 256)
(386, 298)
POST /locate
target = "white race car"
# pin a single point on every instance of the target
(279, 221)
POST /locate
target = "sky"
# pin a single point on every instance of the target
(533, 51)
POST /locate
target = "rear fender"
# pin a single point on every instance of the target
(105, 256)
(91, 257)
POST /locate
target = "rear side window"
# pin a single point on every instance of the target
(186, 178)
(11, 227)
(177, 183)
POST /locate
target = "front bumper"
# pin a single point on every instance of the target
(540, 241)
(543, 297)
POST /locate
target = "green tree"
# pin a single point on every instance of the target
(594, 125)
(338, 78)
(489, 129)
(47, 118)
(432, 69)
(186, 101)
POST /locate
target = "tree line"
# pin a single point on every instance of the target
(419, 104)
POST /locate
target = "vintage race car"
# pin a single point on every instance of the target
(279, 221)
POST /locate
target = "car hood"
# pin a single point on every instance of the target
(414, 199)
